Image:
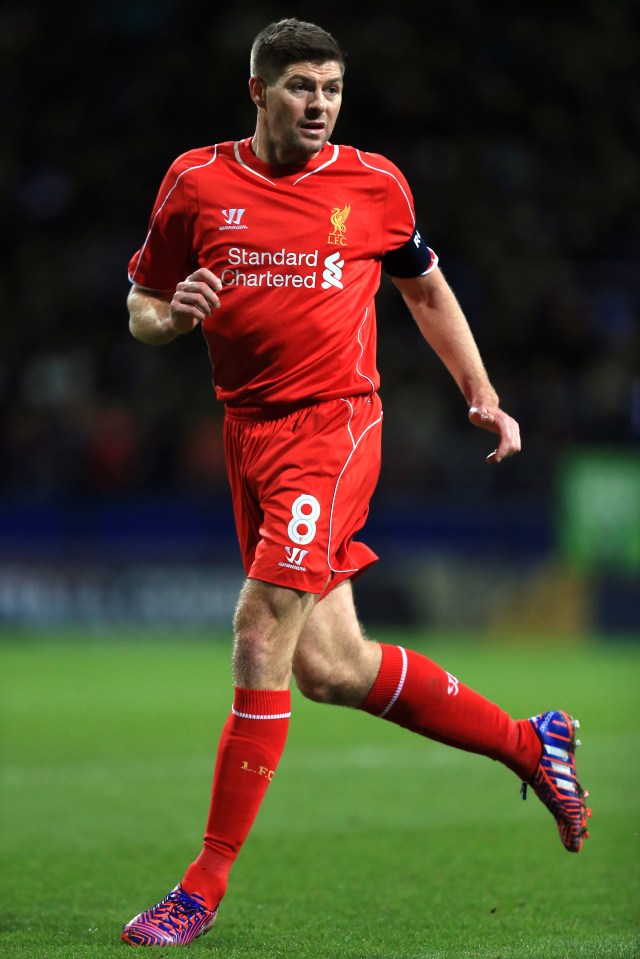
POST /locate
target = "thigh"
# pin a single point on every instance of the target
(301, 488)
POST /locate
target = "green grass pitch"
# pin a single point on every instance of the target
(372, 842)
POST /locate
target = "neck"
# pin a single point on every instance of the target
(276, 154)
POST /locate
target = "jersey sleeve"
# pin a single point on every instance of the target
(405, 253)
(167, 254)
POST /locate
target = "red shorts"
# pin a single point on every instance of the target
(301, 486)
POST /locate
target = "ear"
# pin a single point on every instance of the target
(258, 91)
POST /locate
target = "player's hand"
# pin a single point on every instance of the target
(492, 418)
(195, 298)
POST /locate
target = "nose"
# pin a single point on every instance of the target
(317, 102)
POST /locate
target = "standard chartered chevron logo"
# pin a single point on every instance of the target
(332, 275)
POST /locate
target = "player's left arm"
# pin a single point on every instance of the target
(443, 324)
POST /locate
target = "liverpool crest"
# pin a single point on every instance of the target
(338, 221)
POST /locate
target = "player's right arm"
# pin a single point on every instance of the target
(157, 317)
(168, 297)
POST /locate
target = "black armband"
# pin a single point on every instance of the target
(414, 258)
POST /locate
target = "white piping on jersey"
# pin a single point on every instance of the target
(400, 684)
(388, 173)
(336, 151)
(236, 150)
(355, 444)
(198, 166)
(358, 370)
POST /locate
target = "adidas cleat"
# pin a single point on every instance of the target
(178, 919)
(554, 781)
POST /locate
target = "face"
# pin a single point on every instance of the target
(298, 112)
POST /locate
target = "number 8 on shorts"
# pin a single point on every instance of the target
(302, 527)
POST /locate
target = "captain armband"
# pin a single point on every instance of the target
(414, 258)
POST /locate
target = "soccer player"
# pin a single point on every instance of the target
(273, 245)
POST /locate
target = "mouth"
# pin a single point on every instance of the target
(313, 126)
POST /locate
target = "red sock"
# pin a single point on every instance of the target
(250, 747)
(416, 693)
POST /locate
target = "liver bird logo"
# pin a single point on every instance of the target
(339, 218)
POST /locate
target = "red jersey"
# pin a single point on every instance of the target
(298, 250)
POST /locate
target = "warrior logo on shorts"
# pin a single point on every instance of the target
(295, 556)
(338, 221)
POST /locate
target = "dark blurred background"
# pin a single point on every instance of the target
(519, 133)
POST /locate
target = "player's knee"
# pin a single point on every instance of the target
(313, 687)
(266, 628)
(251, 645)
(323, 685)
(252, 654)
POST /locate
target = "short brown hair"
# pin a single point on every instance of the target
(291, 41)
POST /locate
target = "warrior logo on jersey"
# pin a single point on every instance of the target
(338, 221)
(232, 220)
